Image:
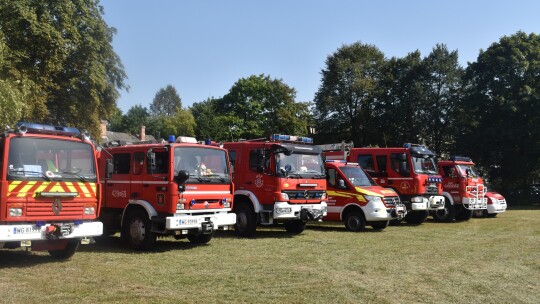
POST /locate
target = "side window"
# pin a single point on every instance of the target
(138, 162)
(332, 177)
(381, 164)
(232, 159)
(399, 164)
(448, 171)
(256, 159)
(121, 163)
(366, 162)
(162, 163)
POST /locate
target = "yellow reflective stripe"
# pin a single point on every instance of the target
(71, 188)
(364, 191)
(25, 188)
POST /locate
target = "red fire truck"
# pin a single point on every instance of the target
(410, 171)
(278, 180)
(465, 193)
(49, 196)
(355, 198)
(180, 188)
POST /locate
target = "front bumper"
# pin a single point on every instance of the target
(498, 207)
(379, 212)
(69, 230)
(193, 221)
(286, 211)
(434, 202)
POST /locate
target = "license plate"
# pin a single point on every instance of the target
(188, 221)
(26, 230)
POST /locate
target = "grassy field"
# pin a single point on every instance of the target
(483, 260)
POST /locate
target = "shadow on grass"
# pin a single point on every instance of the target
(21, 258)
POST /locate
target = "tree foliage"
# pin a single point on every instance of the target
(502, 106)
(63, 50)
(166, 102)
(349, 87)
(258, 106)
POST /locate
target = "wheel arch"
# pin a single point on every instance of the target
(448, 197)
(141, 205)
(247, 197)
(350, 208)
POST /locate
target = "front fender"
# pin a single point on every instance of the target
(252, 198)
(144, 204)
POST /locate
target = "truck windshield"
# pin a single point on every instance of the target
(357, 176)
(50, 159)
(204, 165)
(463, 170)
(424, 164)
(298, 165)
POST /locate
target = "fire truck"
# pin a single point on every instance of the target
(465, 193)
(355, 198)
(411, 171)
(180, 188)
(279, 180)
(49, 197)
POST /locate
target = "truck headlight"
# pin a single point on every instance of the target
(417, 199)
(89, 210)
(373, 198)
(284, 196)
(15, 212)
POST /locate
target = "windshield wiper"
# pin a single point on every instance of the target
(37, 174)
(79, 177)
(298, 175)
(221, 178)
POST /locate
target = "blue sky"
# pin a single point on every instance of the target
(203, 47)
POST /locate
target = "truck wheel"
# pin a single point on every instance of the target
(462, 213)
(63, 254)
(200, 238)
(379, 225)
(136, 231)
(416, 217)
(246, 221)
(478, 213)
(447, 214)
(295, 226)
(354, 221)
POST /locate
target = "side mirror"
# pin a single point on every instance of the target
(341, 184)
(260, 169)
(151, 159)
(402, 157)
(181, 177)
(109, 168)
(468, 172)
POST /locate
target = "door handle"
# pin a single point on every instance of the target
(248, 183)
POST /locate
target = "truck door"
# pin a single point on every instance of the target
(117, 188)
(155, 179)
(260, 178)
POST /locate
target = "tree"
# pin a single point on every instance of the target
(210, 123)
(442, 91)
(181, 124)
(166, 102)
(501, 114)
(344, 101)
(63, 48)
(258, 106)
(135, 117)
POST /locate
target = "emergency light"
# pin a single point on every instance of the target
(25, 127)
(434, 179)
(283, 137)
(186, 139)
(460, 158)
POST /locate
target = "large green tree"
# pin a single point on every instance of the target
(210, 124)
(64, 48)
(438, 111)
(501, 117)
(166, 102)
(349, 88)
(258, 106)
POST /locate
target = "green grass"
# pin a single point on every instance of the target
(483, 260)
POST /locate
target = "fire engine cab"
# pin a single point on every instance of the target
(465, 193)
(49, 198)
(355, 198)
(278, 180)
(411, 171)
(180, 188)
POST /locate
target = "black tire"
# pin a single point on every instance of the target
(200, 238)
(137, 231)
(479, 213)
(447, 214)
(295, 226)
(462, 213)
(416, 217)
(64, 254)
(246, 221)
(354, 221)
(380, 225)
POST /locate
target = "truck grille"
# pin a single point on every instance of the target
(432, 190)
(391, 201)
(304, 194)
(40, 209)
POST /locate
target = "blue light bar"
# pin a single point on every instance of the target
(284, 137)
(434, 179)
(460, 158)
(335, 161)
